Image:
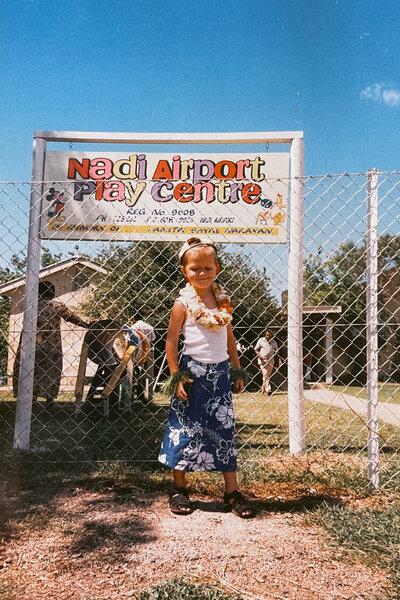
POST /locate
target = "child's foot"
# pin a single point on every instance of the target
(237, 503)
(179, 501)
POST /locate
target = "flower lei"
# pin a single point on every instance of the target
(202, 314)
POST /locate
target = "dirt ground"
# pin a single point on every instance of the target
(107, 543)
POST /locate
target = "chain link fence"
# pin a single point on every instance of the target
(135, 284)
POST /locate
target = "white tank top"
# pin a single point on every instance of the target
(202, 344)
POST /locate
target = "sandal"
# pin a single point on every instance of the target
(240, 506)
(179, 501)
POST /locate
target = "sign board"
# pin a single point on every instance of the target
(236, 197)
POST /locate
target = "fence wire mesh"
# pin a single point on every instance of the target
(135, 284)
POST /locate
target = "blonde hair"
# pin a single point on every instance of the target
(196, 242)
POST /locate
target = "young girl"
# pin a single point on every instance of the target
(200, 430)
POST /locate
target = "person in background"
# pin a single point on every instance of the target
(138, 324)
(308, 365)
(48, 353)
(266, 350)
(141, 372)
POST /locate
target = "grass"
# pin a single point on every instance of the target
(387, 392)
(336, 441)
(179, 589)
(369, 535)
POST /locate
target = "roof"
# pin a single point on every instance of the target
(321, 309)
(63, 265)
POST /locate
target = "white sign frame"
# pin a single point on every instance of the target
(297, 439)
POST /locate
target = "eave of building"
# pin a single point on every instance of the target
(321, 309)
(63, 265)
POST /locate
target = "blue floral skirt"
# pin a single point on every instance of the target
(200, 432)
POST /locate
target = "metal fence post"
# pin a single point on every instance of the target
(28, 337)
(328, 359)
(372, 327)
(297, 435)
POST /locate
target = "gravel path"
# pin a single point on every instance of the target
(103, 546)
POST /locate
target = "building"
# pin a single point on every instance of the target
(72, 280)
(327, 362)
(389, 332)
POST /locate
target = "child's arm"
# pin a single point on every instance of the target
(234, 358)
(176, 321)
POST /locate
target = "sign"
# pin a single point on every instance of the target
(128, 196)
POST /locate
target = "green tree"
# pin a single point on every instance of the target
(340, 279)
(47, 258)
(19, 264)
(144, 278)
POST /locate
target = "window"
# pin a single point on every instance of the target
(81, 280)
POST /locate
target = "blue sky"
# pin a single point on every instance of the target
(327, 67)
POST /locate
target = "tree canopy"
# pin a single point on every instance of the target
(340, 279)
(144, 278)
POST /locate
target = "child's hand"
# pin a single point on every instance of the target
(180, 390)
(238, 386)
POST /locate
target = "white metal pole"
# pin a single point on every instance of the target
(328, 350)
(88, 137)
(23, 417)
(297, 435)
(372, 328)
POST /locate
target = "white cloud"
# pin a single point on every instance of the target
(391, 97)
(380, 93)
(372, 92)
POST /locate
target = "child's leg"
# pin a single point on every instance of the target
(264, 378)
(179, 479)
(269, 369)
(236, 502)
(179, 500)
(231, 483)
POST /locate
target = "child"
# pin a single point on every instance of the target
(200, 430)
